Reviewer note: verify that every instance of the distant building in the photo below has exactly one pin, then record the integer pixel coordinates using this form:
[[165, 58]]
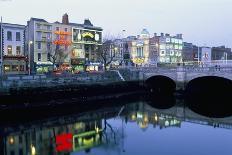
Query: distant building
[[221, 53], [140, 49], [13, 41], [190, 53], [206, 53], [170, 48]]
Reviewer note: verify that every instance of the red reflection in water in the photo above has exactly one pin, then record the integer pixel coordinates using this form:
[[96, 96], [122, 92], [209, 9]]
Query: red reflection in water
[[64, 142]]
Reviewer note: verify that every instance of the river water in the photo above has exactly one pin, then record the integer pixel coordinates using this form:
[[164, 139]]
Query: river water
[[136, 128]]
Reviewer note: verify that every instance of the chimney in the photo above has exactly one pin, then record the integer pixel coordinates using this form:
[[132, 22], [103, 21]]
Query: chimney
[[155, 34], [65, 19], [162, 34]]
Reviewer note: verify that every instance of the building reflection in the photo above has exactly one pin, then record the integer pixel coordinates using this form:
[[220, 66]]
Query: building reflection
[[33, 141], [90, 130], [160, 120]]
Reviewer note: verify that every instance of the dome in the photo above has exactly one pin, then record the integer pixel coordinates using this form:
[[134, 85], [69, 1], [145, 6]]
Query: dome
[[145, 33]]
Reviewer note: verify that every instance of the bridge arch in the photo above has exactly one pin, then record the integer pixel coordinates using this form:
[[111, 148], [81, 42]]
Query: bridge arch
[[209, 95], [160, 84]]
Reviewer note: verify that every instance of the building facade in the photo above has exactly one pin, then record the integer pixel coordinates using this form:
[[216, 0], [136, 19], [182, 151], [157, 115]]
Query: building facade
[[140, 49], [190, 53], [39, 45], [13, 55], [170, 48], [63, 46], [87, 41]]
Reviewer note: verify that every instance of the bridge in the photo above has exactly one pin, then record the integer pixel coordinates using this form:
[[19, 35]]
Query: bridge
[[183, 75]]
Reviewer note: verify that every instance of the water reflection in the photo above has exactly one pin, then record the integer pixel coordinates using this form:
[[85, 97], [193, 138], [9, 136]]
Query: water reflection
[[105, 131]]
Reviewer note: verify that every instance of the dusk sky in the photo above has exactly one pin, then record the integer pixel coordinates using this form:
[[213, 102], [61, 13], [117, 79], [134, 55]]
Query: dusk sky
[[202, 22]]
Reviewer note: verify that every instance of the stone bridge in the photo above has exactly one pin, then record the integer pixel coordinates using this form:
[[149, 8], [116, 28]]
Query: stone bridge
[[183, 75]]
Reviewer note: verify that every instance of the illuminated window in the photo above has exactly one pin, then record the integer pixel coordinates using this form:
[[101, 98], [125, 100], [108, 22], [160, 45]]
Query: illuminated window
[[9, 50], [9, 35], [6, 68], [168, 40], [18, 50]]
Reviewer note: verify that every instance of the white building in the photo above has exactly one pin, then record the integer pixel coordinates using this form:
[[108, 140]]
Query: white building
[[13, 41]]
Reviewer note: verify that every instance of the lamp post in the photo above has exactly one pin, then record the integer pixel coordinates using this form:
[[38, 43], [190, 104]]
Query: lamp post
[[29, 57]]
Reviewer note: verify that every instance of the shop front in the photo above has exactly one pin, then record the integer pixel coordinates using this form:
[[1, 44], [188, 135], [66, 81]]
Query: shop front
[[94, 67], [14, 65], [78, 64], [43, 67]]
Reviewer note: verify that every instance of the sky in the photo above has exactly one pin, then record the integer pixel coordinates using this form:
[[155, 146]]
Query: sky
[[202, 22]]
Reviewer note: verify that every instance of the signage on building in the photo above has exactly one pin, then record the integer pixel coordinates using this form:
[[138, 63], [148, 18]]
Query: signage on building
[[86, 36], [63, 39], [64, 142]]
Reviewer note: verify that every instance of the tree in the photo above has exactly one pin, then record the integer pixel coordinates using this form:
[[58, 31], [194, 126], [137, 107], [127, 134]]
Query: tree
[[107, 52], [58, 57]]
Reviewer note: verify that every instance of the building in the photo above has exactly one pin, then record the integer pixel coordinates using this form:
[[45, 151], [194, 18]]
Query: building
[[140, 49], [170, 48], [39, 45], [221, 53], [14, 60], [63, 46], [190, 53], [206, 57], [62, 49], [87, 42]]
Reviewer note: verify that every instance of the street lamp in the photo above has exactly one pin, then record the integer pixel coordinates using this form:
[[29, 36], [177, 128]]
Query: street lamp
[[29, 57]]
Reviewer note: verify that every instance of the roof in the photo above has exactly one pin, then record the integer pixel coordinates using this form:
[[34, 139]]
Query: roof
[[38, 20], [13, 25]]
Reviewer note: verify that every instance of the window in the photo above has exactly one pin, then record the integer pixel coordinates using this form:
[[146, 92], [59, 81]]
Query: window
[[6, 68], [18, 50], [9, 50], [48, 46], [21, 69], [49, 27], [57, 28], [39, 35], [49, 57], [20, 151], [15, 67], [39, 56], [20, 137], [49, 35], [39, 45], [38, 26], [9, 35], [18, 36], [66, 29]]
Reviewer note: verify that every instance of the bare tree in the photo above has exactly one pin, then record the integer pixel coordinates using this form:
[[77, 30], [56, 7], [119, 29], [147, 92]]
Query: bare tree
[[58, 56], [107, 52]]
